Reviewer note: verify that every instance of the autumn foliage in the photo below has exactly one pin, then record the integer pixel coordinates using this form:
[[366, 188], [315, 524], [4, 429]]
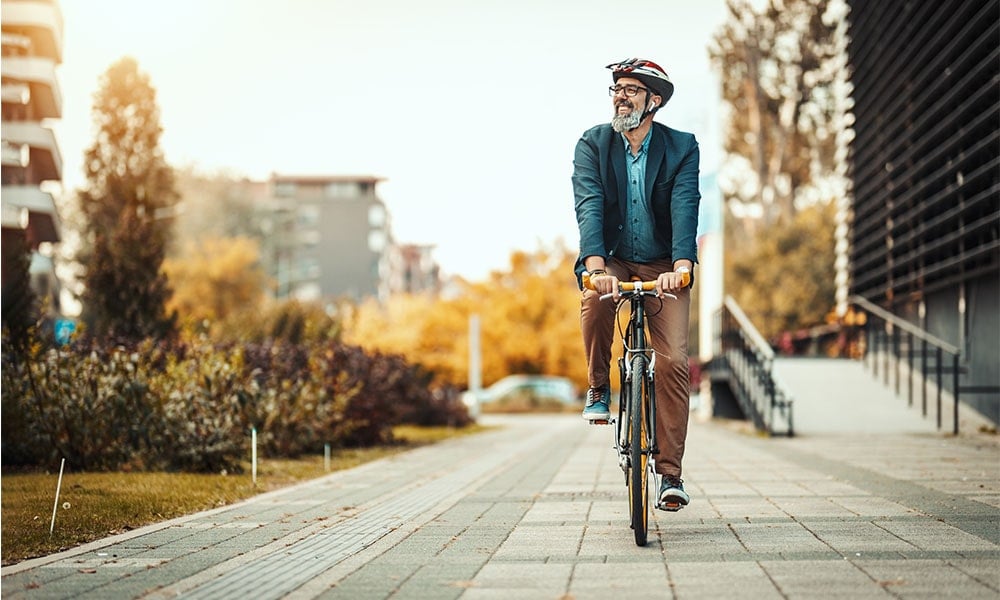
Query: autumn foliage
[[214, 278], [529, 322]]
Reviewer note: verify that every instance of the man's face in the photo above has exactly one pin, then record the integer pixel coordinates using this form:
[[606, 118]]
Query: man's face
[[625, 105], [628, 110]]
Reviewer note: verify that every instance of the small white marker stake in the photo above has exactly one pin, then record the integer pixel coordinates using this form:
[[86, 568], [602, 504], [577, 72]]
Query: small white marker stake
[[55, 505], [253, 453], [326, 457]]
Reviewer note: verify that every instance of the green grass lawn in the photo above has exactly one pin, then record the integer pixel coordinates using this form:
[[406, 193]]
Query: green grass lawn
[[96, 505]]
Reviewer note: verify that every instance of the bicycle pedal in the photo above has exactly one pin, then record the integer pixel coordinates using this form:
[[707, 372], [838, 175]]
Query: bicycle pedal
[[669, 506], [600, 421]]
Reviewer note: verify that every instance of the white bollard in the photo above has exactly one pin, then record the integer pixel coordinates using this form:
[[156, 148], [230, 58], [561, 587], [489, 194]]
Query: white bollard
[[55, 505], [326, 457]]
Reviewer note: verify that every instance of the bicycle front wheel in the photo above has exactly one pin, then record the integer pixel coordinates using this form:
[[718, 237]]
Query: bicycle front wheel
[[638, 479]]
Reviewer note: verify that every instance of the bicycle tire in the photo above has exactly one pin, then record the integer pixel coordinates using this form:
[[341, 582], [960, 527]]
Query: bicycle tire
[[638, 478]]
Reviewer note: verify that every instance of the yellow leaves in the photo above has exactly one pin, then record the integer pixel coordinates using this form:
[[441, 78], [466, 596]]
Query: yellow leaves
[[784, 279], [529, 323], [215, 278]]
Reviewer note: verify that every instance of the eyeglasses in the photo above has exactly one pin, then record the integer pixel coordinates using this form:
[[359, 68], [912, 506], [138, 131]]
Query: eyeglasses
[[629, 90]]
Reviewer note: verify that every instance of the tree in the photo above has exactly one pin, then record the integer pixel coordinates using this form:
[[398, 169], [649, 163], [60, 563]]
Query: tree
[[213, 205], [781, 67], [215, 279], [529, 323], [786, 279], [127, 206], [20, 304], [783, 73]]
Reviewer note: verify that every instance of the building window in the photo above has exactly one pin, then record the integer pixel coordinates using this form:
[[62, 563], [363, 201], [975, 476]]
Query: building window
[[376, 240], [376, 216], [342, 189], [284, 190], [309, 239], [308, 215]]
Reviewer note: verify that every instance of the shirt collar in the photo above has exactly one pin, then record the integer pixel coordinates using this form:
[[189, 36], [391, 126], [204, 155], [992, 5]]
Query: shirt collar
[[642, 147]]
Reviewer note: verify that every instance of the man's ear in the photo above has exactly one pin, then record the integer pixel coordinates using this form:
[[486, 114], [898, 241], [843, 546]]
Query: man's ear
[[655, 101]]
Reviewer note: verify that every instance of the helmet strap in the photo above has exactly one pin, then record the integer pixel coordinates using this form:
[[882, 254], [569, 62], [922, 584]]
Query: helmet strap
[[645, 113]]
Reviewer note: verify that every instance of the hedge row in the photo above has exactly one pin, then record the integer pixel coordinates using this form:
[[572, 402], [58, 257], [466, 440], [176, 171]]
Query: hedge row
[[192, 406]]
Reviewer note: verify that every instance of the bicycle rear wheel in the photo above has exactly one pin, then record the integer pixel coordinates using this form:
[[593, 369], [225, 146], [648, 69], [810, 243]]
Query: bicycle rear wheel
[[638, 477]]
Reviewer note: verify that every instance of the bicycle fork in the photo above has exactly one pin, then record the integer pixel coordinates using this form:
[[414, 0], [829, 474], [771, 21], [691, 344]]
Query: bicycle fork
[[626, 376]]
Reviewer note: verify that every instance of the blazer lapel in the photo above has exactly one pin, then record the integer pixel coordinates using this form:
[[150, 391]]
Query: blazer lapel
[[621, 178], [655, 160]]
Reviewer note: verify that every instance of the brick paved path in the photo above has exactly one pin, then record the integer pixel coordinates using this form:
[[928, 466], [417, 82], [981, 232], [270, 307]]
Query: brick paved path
[[537, 509]]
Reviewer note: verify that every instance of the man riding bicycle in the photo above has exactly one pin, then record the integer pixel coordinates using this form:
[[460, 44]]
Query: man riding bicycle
[[635, 184]]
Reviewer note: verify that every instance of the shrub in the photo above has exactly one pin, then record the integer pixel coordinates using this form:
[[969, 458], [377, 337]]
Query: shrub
[[191, 406], [436, 406], [203, 394], [91, 406], [287, 321], [296, 406]]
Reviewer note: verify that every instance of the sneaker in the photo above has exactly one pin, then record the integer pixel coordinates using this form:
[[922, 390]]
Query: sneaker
[[598, 403], [672, 494]]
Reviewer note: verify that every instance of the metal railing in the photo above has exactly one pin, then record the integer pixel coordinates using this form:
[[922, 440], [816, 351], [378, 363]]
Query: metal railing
[[749, 360], [897, 342]]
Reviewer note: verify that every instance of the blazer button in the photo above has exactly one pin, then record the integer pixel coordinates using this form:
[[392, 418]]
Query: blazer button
[[619, 228]]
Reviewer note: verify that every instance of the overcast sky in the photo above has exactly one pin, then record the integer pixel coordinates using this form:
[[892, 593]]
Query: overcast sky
[[469, 109]]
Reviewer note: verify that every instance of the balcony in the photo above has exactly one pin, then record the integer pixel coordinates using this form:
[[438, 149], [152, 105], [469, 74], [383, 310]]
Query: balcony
[[28, 208], [39, 74], [40, 21], [44, 159]]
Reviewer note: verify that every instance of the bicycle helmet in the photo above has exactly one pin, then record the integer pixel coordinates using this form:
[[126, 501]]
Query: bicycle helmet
[[647, 72]]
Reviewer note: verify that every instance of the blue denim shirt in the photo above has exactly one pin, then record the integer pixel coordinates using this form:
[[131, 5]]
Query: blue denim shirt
[[638, 244]]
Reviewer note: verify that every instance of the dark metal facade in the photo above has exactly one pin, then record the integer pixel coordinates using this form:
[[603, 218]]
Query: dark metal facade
[[925, 232]]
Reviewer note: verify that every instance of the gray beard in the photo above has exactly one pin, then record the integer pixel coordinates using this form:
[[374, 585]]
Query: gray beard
[[623, 123]]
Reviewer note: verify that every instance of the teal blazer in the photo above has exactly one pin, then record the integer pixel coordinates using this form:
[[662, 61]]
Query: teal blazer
[[600, 188]]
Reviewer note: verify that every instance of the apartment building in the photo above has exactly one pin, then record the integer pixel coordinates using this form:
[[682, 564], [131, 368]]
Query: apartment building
[[329, 237], [413, 270], [32, 41]]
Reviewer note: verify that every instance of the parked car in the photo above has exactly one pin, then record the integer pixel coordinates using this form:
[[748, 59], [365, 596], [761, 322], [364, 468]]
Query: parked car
[[524, 393]]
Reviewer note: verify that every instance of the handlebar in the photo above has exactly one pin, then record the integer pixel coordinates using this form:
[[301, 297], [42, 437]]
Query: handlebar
[[632, 286]]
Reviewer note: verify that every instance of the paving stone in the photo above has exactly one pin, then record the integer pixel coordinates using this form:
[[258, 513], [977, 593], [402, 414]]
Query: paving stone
[[714, 579]]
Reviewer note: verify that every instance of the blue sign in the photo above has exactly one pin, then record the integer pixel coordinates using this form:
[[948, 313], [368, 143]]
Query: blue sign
[[64, 330]]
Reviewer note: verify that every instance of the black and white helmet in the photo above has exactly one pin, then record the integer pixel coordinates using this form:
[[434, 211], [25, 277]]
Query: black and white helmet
[[647, 72]]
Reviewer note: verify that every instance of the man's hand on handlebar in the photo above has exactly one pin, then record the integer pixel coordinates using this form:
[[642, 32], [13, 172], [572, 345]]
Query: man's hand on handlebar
[[671, 282], [606, 283]]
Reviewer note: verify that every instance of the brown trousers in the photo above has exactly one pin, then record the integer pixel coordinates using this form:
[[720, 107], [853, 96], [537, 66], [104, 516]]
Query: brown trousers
[[668, 334]]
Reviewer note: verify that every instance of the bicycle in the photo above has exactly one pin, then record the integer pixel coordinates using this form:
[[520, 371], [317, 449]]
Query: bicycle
[[635, 428]]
